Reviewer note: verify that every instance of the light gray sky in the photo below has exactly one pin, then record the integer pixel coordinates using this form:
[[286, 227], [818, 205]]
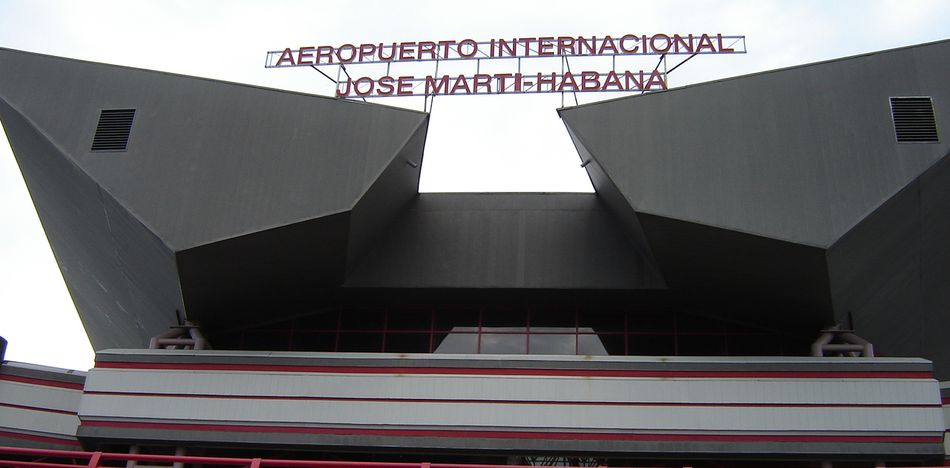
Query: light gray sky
[[483, 143]]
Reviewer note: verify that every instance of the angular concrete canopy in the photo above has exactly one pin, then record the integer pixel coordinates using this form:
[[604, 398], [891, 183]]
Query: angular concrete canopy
[[780, 198], [798, 155], [506, 240], [223, 187], [788, 189]]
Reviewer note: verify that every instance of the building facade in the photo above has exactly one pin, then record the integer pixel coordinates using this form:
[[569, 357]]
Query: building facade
[[706, 306]]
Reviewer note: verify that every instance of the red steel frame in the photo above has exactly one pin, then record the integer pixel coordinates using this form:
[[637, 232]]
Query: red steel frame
[[576, 328], [94, 460]]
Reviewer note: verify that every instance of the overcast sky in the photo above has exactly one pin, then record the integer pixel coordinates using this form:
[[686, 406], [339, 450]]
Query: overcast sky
[[486, 143]]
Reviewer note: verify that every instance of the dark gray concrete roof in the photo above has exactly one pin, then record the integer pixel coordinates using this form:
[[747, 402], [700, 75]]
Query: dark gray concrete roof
[[800, 154], [222, 186], [782, 194], [506, 240], [209, 160], [789, 187]]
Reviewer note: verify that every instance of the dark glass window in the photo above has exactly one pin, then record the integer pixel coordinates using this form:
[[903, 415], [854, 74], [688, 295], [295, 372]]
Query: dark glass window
[[407, 343], [502, 343], [590, 345], [700, 345], [266, 340], [651, 345], [328, 320], [461, 341], [602, 321], [556, 330], [451, 318], [553, 318], [361, 342], [314, 341], [362, 320], [503, 318], [419, 320], [553, 344], [652, 322]]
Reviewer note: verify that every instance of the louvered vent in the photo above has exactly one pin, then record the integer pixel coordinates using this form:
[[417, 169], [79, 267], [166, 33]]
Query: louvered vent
[[112, 133], [914, 120]]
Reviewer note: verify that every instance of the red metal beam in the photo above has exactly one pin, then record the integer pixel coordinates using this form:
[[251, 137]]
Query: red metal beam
[[92, 460]]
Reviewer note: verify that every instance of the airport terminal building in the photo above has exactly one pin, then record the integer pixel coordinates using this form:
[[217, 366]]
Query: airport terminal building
[[762, 277]]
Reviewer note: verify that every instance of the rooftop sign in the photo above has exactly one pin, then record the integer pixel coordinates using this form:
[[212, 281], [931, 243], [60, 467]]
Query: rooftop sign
[[514, 81]]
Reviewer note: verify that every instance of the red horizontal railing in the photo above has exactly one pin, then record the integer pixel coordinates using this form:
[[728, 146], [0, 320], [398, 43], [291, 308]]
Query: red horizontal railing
[[96, 459]]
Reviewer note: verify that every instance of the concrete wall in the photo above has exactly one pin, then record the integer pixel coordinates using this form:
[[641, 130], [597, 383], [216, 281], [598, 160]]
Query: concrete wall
[[718, 407], [38, 406]]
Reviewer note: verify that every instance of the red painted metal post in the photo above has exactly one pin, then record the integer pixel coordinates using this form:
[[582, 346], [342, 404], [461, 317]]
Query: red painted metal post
[[94, 460]]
